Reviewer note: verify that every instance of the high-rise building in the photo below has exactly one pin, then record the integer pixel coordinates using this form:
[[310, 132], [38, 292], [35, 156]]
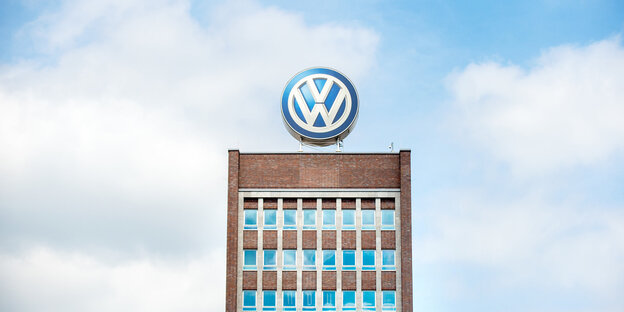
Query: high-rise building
[[319, 232]]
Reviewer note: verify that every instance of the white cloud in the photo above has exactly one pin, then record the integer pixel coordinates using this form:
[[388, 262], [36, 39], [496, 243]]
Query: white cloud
[[46, 280], [524, 247], [543, 242], [127, 123], [566, 110], [115, 141]]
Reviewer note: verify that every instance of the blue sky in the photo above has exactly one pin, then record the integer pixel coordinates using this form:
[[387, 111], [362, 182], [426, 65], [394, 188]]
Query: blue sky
[[115, 118]]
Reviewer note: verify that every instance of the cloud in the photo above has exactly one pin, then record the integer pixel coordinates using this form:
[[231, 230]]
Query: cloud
[[551, 240], [566, 110], [114, 143], [526, 247], [124, 128], [42, 279]]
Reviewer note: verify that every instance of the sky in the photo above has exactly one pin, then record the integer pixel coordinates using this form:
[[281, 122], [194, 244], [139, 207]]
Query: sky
[[116, 117]]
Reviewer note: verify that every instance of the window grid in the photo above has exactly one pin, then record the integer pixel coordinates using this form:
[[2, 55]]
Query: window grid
[[318, 220]]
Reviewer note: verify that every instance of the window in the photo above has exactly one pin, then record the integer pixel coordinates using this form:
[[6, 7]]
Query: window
[[249, 263], [387, 261], [270, 259], [348, 259], [368, 219], [309, 300], [368, 259], [268, 300], [290, 260], [309, 259], [329, 260], [389, 301], [368, 301], [309, 219], [348, 219], [329, 301], [249, 300], [348, 300], [251, 219], [387, 219], [290, 219], [329, 219], [270, 219], [290, 300]]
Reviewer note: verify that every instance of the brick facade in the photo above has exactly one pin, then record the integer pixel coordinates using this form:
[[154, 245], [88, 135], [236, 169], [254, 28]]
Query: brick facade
[[300, 170], [264, 173]]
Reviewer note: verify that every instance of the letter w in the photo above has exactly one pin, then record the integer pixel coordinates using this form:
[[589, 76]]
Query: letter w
[[319, 105]]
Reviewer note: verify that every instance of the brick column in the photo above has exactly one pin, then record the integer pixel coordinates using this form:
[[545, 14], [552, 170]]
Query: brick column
[[232, 231], [406, 232]]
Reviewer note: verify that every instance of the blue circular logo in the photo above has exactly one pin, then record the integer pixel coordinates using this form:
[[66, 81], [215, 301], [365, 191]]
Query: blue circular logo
[[319, 106]]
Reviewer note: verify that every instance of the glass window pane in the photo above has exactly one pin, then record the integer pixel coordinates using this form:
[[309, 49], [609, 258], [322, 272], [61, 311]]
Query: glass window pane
[[348, 219], [348, 300], [329, 259], [270, 259], [329, 301], [290, 302], [368, 219], [368, 259], [270, 219], [309, 300], [368, 300], [329, 219], [388, 259], [348, 259], [251, 219], [290, 259], [290, 219], [249, 300], [268, 300], [389, 301], [309, 219], [249, 263], [387, 219], [309, 259]]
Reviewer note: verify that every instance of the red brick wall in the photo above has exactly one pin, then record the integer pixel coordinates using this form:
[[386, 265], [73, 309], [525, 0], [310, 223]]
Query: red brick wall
[[270, 203], [289, 203], [348, 203], [368, 203], [309, 239], [369, 240], [319, 171], [387, 203], [250, 280], [289, 238], [388, 240], [269, 280], [289, 280], [348, 239], [308, 280], [406, 231], [269, 240], [250, 203], [329, 239], [369, 281], [388, 280], [348, 280], [329, 280], [329, 203], [308, 203], [232, 231], [250, 239]]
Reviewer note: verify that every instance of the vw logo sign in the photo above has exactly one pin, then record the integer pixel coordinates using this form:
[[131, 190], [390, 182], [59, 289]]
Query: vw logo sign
[[319, 106]]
